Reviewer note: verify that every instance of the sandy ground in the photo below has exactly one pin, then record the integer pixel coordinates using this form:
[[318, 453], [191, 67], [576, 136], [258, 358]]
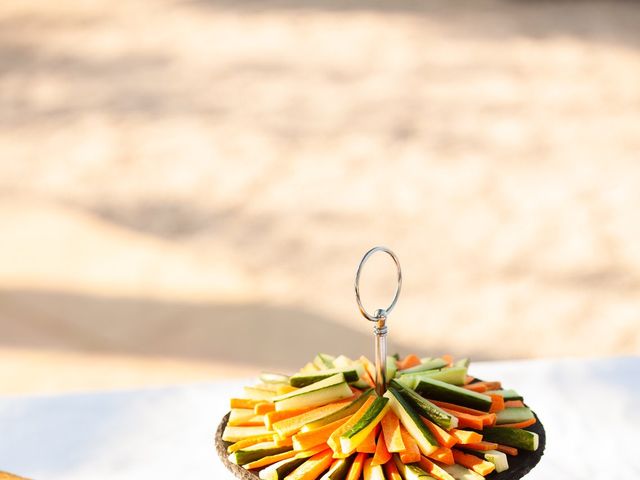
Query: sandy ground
[[186, 187]]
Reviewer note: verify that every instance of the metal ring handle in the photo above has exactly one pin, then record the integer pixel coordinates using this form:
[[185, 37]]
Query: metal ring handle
[[380, 313]]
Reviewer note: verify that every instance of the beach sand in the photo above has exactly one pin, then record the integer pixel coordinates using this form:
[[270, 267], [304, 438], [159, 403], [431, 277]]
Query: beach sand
[[186, 188]]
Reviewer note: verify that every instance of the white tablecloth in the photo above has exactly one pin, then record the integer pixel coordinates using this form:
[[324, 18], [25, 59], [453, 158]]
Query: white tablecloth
[[590, 409]]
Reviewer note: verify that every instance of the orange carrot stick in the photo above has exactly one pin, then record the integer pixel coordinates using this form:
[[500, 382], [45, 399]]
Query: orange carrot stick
[[483, 386], [497, 403], [313, 467], [513, 403], [282, 442], [381, 455], [508, 450], [443, 455], [411, 453], [273, 417], [465, 436], [391, 430], [481, 446], [447, 358], [253, 421], [444, 438], [494, 385], [476, 464], [290, 426], [478, 387], [489, 419], [369, 443], [312, 438], [469, 417], [409, 361], [264, 407], [433, 469], [466, 420], [243, 403]]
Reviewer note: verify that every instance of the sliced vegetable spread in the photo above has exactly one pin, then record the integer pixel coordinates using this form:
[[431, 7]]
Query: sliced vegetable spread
[[326, 422]]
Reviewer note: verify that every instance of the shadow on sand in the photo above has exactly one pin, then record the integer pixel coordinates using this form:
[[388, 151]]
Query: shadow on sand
[[606, 21], [250, 334]]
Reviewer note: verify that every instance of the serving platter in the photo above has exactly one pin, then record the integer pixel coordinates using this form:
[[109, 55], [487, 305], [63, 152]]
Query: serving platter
[[519, 465]]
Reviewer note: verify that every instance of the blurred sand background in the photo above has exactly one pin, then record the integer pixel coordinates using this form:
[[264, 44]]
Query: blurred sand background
[[186, 188]]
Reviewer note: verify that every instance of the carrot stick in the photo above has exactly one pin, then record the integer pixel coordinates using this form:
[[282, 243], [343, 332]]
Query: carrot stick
[[290, 426], [243, 403], [525, 424], [444, 438], [508, 450], [282, 442], [411, 453], [489, 419], [465, 437], [368, 445], [319, 436], [476, 464], [273, 417], [356, 467], [247, 442], [476, 387], [409, 361], [264, 407], [381, 455], [391, 430], [391, 471], [312, 468], [497, 403], [468, 416], [447, 358], [264, 461], [468, 379], [443, 455], [433, 469], [481, 446], [483, 386], [494, 385], [466, 419], [513, 403]]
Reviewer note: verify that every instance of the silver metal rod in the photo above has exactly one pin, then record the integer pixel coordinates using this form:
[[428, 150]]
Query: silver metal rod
[[380, 331]]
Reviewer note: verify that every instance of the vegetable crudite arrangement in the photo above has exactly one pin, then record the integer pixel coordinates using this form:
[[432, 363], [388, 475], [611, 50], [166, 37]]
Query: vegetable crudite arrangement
[[407, 418]]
